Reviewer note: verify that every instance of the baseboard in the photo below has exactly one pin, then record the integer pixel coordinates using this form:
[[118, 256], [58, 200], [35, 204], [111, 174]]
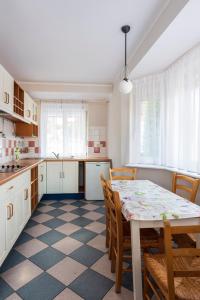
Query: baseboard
[[77, 196]]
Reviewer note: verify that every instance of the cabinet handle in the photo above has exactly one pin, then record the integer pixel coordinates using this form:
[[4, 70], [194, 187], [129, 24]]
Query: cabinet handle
[[11, 187], [9, 216], [42, 177], [12, 210], [8, 98], [5, 97], [26, 194], [28, 113]]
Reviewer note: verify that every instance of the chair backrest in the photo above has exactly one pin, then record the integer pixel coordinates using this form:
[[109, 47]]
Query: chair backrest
[[115, 214], [187, 184], [170, 253], [105, 186], [128, 173]]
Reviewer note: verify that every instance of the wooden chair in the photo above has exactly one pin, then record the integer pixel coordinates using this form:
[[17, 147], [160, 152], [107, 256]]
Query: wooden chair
[[104, 185], [190, 186], [176, 274], [121, 238], [187, 184], [129, 173]]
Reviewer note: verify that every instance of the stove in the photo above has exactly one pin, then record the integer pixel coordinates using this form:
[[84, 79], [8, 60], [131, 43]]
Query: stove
[[10, 168]]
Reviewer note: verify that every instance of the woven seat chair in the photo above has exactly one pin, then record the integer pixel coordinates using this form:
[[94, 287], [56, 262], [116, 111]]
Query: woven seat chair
[[189, 186], [121, 238], [174, 275], [125, 173]]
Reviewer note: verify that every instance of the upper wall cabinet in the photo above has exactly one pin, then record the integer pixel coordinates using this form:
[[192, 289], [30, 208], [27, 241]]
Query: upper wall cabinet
[[6, 91], [28, 113], [30, 109]]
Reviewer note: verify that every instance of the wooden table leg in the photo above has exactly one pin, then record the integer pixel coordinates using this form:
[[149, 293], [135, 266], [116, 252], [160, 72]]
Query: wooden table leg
[[136, 260]]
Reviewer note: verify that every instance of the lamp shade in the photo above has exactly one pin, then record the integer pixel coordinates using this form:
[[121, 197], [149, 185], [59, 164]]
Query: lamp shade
[[125, 86]]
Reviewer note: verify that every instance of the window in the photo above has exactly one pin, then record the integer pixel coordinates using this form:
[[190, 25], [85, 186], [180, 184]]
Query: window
[[165, 118], [63, 129]]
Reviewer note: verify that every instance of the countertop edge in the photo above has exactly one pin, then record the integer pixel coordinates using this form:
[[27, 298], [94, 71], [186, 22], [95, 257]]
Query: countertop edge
[[35, 162]]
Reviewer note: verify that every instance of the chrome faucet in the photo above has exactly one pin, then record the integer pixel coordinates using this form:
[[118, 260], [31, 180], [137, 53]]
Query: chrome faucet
[[56, 155]]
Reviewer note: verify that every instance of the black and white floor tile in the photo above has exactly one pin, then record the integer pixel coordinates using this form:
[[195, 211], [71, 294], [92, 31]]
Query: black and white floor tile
[[61, 255]]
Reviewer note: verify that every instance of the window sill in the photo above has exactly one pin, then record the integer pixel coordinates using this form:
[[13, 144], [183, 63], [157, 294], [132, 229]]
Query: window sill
[[155, 167]]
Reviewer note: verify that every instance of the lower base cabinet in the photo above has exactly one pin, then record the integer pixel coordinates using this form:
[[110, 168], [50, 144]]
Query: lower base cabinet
[[2, 229], [62, 177], [15, 210]]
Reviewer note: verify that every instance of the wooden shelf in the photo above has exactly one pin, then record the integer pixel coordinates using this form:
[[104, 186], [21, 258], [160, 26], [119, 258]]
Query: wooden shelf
[[18, 100], [34, 188], [23, 129]]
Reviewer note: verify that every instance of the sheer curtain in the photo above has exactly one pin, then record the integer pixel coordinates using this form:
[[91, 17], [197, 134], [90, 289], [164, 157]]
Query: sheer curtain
[[146, 122], [166, 116], [63, 129]]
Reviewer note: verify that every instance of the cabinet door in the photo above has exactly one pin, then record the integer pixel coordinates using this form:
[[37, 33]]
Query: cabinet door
[[8, 86], [7, 90], [54, 177], [18, 209], [27, 107], [2, 226], [70, 177], [11, 221]]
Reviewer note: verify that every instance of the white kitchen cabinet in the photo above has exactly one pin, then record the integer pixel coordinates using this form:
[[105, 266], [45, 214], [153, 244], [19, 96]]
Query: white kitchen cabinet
[[54, 177], [15, 210], [62, 177], [34, 112], [11, 216], [2, 226], [28, 114], [6, 91], [70, 177], [30, 109], [41, 180]]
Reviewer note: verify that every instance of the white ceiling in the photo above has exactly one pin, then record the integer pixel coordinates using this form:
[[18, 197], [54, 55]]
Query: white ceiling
[[181, 35], [70, 40]]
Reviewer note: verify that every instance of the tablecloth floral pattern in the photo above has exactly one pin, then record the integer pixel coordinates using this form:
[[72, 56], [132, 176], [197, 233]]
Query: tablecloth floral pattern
[[144, 200]]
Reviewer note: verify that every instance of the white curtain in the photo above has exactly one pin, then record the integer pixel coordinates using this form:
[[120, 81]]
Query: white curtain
[[146, 127], [166, 116], [63, 129]]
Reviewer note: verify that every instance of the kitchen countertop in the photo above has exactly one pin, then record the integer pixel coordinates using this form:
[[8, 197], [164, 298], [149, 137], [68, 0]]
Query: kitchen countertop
[[29, 163]]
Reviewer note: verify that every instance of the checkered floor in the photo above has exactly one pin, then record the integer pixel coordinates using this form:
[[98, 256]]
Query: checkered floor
[[61, 255]]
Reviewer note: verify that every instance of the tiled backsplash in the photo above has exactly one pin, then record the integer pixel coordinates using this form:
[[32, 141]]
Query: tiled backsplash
[[29, 147], [8, 142], [97, 145]]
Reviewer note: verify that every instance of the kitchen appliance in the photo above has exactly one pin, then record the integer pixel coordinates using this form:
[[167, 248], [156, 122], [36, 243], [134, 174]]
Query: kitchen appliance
[[93, 189], [8, 168]]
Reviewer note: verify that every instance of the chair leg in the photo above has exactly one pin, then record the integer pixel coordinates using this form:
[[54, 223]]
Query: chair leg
[[107, 237], [110, 248], [119, 264], [145, 291], [112, 256]]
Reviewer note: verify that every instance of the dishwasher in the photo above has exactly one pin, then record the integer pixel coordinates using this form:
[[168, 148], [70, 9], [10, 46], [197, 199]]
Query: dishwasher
[[93, 189]]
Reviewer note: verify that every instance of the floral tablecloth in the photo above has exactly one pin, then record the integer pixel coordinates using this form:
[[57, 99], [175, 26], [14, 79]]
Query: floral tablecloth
[[144, 200]]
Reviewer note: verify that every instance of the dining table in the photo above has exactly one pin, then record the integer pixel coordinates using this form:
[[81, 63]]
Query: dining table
[[146, 204]]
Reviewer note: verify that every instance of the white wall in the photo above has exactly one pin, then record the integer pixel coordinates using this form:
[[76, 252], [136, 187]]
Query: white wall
[[114, 127], [97, 113]]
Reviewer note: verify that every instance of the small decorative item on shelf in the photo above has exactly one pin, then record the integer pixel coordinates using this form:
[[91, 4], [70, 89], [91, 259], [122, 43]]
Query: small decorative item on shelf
[[17, 153]]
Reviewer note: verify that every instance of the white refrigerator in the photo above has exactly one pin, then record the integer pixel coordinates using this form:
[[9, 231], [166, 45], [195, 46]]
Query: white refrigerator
[[93, 189]]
